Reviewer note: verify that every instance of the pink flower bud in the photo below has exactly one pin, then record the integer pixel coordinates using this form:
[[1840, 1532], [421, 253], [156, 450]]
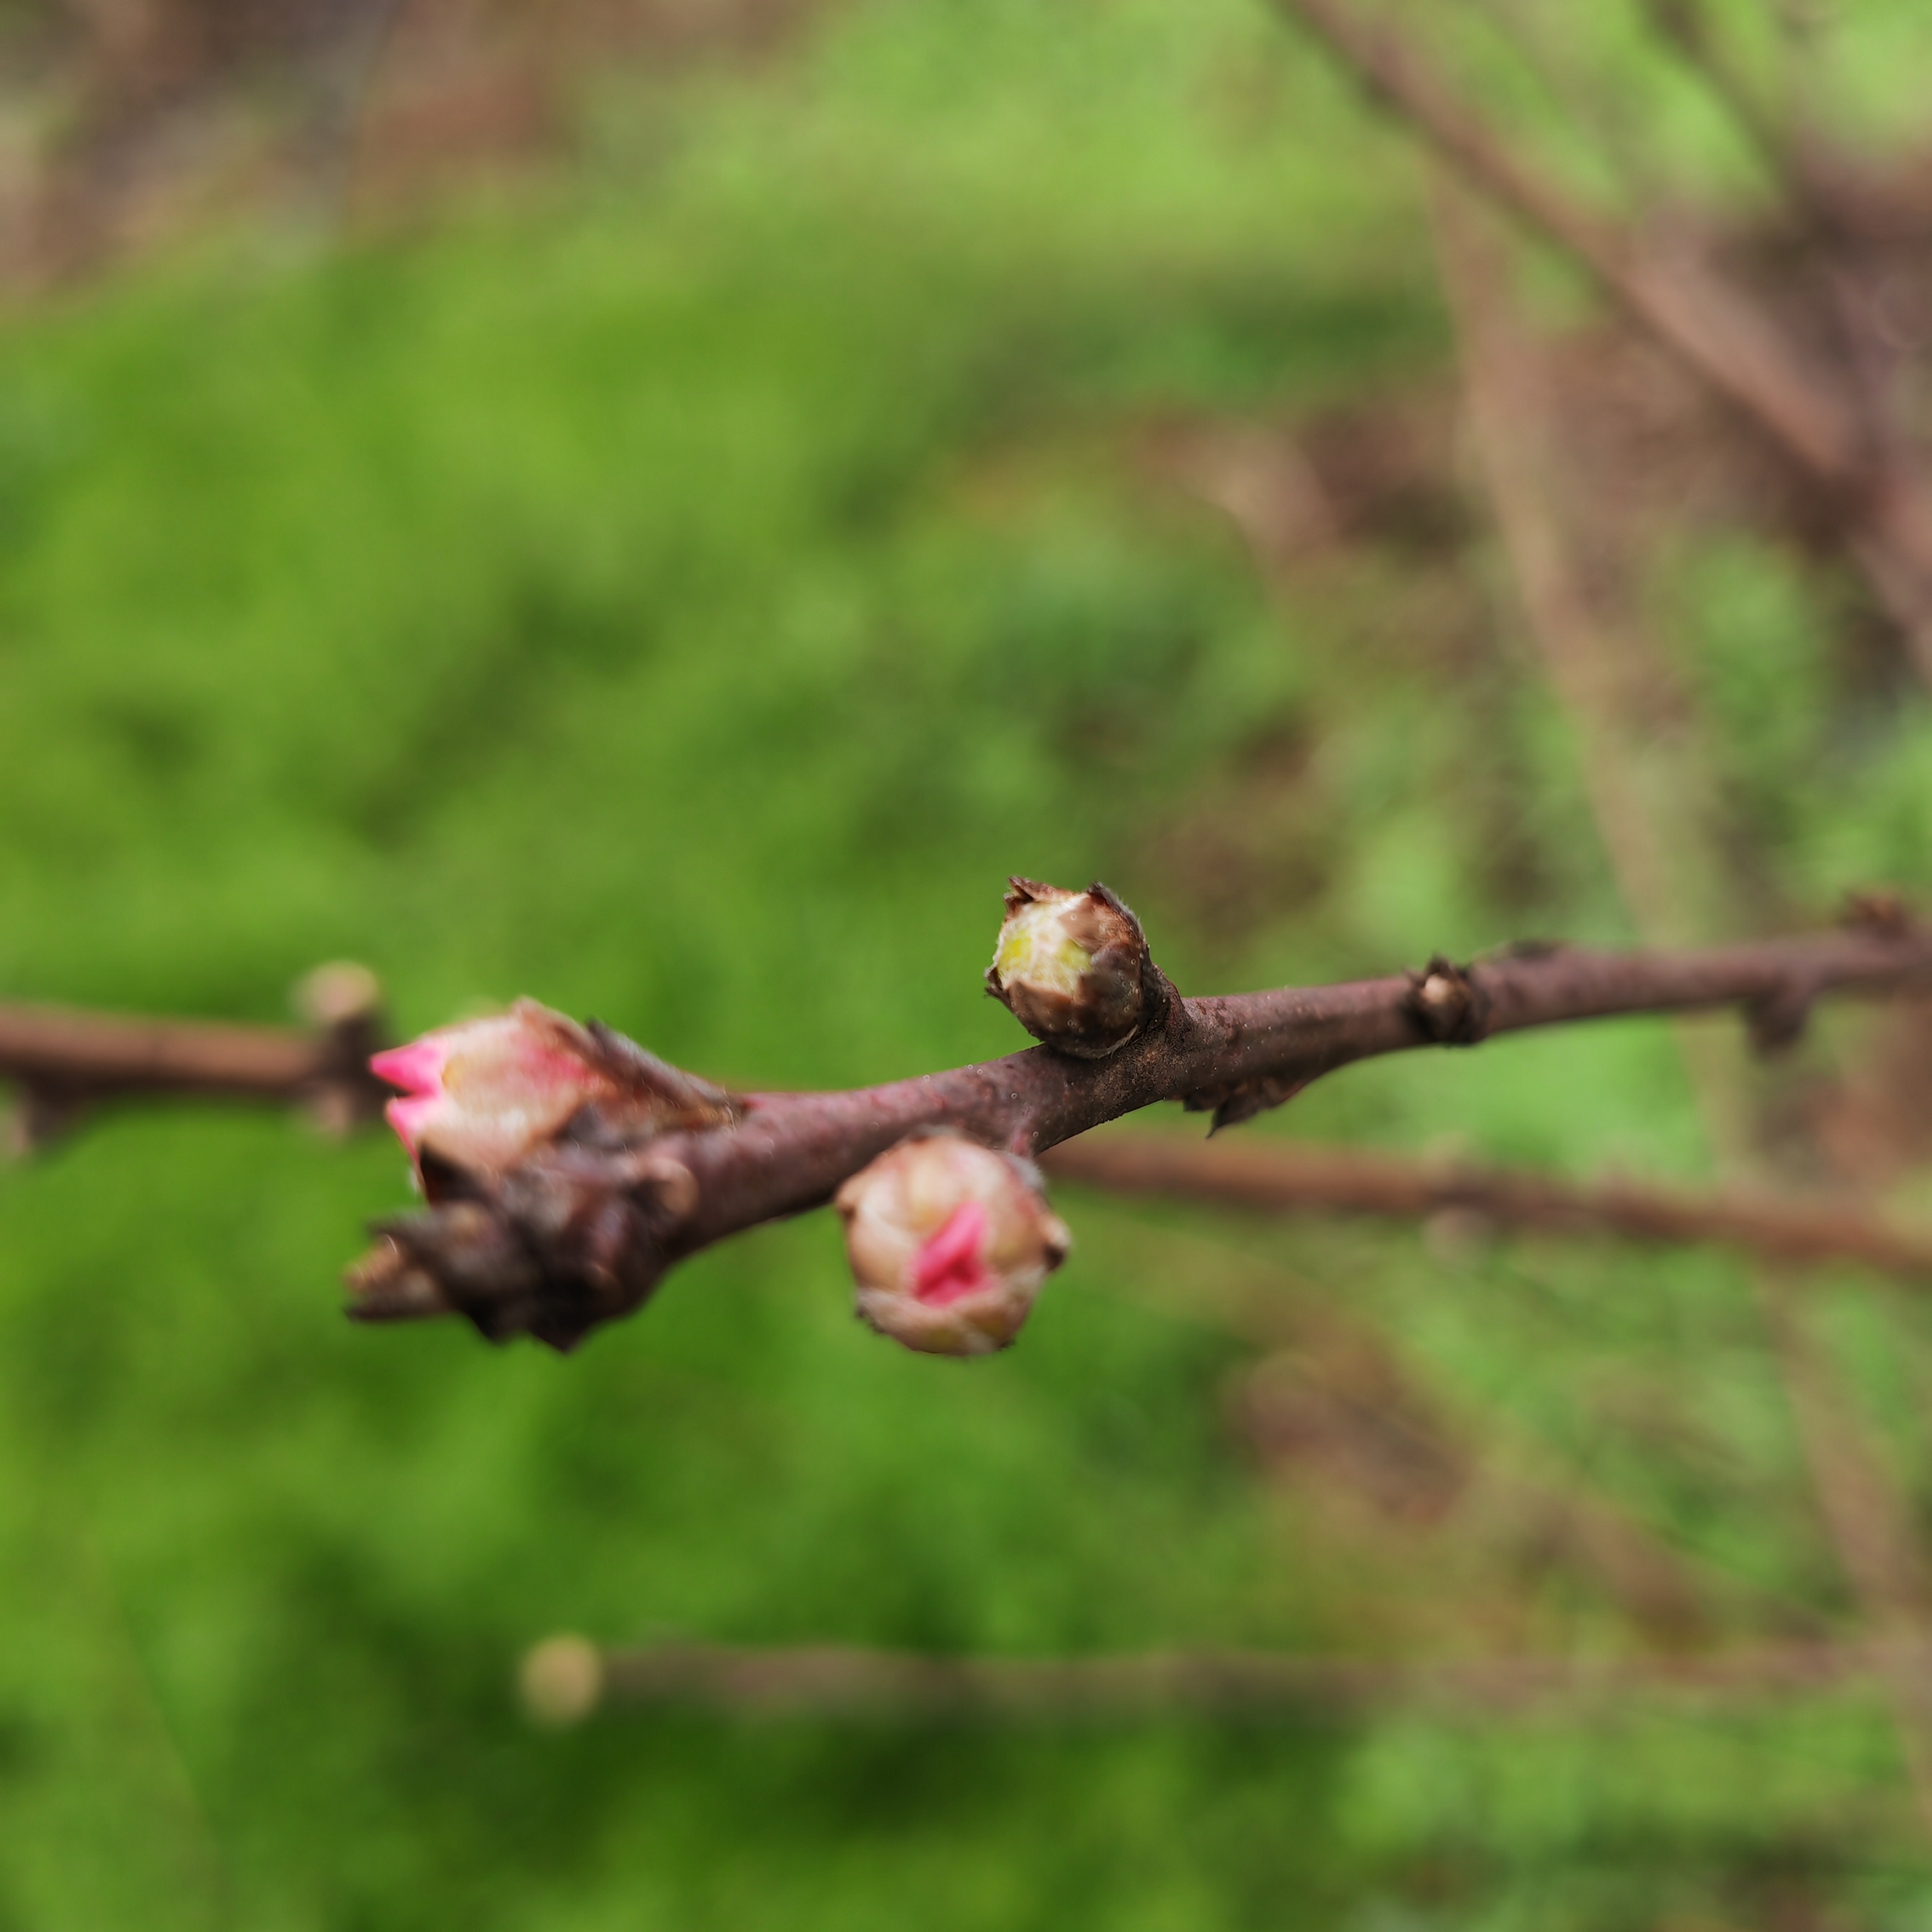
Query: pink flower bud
[[480, 1095], [949, 1242], [1073, 968], [553, 1207]]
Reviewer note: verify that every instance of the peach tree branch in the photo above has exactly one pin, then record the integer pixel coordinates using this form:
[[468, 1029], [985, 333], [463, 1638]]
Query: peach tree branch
[[565, 1170]]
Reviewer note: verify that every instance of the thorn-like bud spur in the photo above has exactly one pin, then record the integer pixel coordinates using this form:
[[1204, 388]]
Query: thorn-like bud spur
[[551, 1209], [949, 1242], [1073, 968]]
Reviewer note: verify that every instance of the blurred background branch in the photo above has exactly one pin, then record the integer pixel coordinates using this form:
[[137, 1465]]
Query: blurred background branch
[[1807, 410], [63, 1062], [564, 1679], [1287, 1176]]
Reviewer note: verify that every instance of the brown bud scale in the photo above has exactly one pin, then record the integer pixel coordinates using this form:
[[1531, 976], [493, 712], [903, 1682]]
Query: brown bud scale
[[1074, 968]]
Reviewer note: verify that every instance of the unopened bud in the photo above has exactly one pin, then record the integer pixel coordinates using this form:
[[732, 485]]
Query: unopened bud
[[536, 1144], [949, 1242], [480, 1095], [1073, 968]]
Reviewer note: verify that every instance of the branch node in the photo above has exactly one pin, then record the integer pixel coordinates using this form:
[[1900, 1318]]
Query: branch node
[[1451, 1008]]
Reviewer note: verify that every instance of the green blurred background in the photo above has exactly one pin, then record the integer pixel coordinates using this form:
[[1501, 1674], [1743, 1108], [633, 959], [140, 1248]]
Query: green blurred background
[[678, 578]]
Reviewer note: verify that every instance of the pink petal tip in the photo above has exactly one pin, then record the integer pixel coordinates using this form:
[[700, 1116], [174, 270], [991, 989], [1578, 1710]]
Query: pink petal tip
[[953, 1263], [410, 1117], [416, 1068]]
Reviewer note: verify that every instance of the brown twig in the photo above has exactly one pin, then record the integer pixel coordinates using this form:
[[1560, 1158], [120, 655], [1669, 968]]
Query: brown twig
[[1785, 401], [564, 1679], [1884, 499], [1868, 1521], [1282, 1176], [583, 1229], [65, 1061]]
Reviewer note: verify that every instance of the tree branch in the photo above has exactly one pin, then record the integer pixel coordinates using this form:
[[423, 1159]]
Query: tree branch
[[1298, 1177], [1785, 401], [65, 1061], [1884, 498], [582, 1227]]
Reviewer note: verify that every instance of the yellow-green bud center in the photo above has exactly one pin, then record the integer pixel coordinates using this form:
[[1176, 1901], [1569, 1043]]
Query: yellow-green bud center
[[1035, 947]]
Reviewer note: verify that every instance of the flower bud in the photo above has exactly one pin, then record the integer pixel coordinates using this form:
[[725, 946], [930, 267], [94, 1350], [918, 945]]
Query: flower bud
[[480, 1095], [949, 1242], [1073, 968], [549, 1154]]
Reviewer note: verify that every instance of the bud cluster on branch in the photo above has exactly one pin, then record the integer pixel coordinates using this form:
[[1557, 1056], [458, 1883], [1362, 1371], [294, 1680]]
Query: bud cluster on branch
[[564, 1170]]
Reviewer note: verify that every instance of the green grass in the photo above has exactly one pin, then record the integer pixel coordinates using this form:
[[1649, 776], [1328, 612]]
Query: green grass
[[682, 589]]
